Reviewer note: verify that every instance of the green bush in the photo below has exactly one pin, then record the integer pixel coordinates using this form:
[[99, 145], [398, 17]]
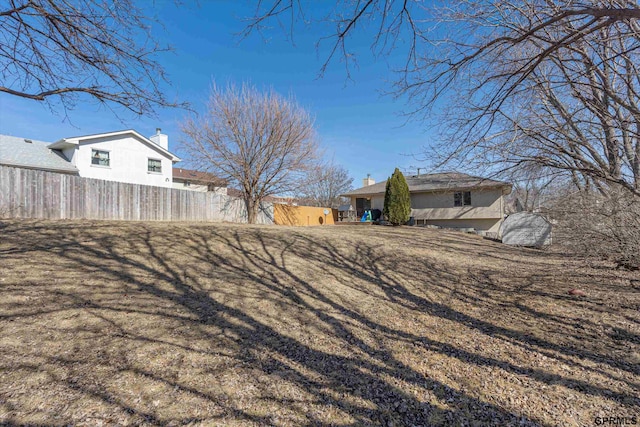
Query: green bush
[[397, 201]]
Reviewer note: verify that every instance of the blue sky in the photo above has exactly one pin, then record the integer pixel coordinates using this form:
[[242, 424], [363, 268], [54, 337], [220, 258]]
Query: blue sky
[[358, 126]]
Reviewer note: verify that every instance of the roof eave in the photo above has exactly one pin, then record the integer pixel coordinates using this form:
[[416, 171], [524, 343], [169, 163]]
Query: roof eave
[[461, 188], [173, 157], [360, 194], [201, 182], [439, 190], [62, 144]]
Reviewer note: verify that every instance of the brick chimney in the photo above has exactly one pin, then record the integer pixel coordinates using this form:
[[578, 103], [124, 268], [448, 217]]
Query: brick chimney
[[368, 181], [160, 139]]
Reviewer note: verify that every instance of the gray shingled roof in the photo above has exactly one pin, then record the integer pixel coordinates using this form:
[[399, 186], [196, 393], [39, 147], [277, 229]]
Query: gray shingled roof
[[15, 151], [198, 177], [433, 182]]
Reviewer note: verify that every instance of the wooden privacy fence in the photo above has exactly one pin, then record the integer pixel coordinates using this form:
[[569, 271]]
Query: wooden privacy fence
[[26, 193]]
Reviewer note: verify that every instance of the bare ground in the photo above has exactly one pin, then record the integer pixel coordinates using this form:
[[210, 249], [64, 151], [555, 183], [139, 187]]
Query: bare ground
[[120, 323]]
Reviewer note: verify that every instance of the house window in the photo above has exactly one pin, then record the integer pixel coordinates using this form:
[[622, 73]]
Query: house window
[[99, 158], [187, 183], [462, 198], [154, 165]]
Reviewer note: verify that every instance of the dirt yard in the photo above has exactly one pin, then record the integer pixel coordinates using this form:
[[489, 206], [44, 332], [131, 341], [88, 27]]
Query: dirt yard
[[115, 323]]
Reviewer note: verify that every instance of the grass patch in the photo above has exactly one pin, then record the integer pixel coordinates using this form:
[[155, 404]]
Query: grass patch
[[173, 324]]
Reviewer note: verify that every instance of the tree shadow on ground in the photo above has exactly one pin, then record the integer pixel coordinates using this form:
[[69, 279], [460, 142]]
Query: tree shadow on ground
[[248, 310], [380, 272]]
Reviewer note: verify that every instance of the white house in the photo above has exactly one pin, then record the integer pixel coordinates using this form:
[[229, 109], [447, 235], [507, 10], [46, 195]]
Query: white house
[[123, 156]]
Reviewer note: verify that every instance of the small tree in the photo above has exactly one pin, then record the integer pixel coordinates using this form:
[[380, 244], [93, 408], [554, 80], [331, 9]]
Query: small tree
[[385, 209], [397, 201], [261, 142]]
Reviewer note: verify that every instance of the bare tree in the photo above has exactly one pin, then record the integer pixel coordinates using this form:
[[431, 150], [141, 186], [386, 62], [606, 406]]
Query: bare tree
[[262, 142], [549, 83], [525, 85], [58, 51], [532, 187], [577, 112], [324, 185]]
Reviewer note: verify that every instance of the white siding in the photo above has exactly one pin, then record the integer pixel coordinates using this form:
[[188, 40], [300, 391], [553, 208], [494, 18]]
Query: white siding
[[128, 158]]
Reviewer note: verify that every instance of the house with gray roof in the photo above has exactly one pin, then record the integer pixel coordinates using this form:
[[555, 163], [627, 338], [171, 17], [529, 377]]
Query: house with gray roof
[[122, 156], [449, 199], [31, 154]]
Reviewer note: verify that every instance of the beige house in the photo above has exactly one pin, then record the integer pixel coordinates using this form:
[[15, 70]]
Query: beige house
[[452, 200], [187, 179]]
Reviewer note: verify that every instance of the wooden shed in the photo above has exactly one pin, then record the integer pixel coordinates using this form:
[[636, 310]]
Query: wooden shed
[[526, 229]]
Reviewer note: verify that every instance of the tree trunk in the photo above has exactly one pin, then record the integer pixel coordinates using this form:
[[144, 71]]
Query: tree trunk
[[252, 210]]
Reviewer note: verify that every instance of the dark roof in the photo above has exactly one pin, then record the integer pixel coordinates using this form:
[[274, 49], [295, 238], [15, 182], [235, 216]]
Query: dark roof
[[29, 153], [198, 177], [234, 192], [434, 182]]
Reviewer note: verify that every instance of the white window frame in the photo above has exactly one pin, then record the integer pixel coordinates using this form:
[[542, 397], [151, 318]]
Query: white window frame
[[95, 154], [149, 159]]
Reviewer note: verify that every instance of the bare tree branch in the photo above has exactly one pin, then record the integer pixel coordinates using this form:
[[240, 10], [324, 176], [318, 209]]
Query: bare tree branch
[[59, 51], [551, 83], [324, 184]]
